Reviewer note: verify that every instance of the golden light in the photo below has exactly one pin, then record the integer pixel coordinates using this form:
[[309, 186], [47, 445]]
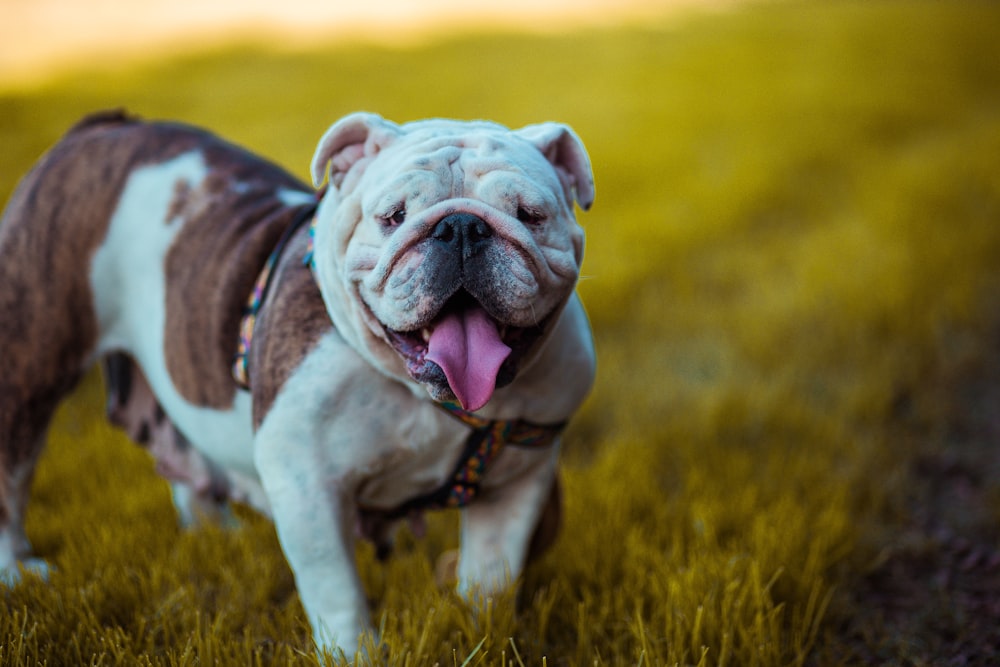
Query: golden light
[[38, 36]]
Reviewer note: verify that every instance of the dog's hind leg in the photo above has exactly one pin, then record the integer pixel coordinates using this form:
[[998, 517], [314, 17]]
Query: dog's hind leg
[[23, 424], [200, 488], [38, 368], [40, 363], [48, 325]]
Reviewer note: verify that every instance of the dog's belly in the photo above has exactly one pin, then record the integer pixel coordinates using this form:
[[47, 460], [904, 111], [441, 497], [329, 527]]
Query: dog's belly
[[127, 278]]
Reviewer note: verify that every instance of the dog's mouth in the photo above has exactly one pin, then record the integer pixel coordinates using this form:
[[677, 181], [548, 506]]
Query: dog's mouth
[[464, 352]]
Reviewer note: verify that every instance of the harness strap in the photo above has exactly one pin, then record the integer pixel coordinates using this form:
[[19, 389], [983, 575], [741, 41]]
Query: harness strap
[[241, 362], [484, 444]]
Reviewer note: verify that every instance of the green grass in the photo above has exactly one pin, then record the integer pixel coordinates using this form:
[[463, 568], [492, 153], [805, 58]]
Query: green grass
[[792, 269]]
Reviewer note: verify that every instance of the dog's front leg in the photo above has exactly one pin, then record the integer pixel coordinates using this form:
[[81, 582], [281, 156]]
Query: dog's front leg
[[498, 526], [314, 514]]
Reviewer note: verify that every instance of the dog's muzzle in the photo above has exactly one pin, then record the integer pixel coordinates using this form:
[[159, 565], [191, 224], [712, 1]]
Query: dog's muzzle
[[467, 349], [463, 234]]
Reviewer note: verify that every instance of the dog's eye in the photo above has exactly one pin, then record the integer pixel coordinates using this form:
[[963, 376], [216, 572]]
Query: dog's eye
[[395, 217], [529, 216]]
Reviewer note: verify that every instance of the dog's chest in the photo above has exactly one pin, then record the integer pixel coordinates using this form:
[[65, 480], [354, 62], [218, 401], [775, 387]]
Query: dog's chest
[[370, 434]]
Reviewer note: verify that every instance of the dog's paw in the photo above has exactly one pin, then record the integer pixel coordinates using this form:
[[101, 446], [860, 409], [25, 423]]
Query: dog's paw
[[197, 509], [15, 574]]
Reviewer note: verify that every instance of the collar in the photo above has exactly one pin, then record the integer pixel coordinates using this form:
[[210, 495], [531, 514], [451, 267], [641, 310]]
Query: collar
[[241, 362]]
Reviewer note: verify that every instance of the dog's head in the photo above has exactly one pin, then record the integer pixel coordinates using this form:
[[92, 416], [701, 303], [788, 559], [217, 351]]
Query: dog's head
[[446, 250]]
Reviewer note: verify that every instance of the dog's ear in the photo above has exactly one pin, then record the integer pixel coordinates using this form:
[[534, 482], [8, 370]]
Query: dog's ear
[[561, 147], [347, 142]]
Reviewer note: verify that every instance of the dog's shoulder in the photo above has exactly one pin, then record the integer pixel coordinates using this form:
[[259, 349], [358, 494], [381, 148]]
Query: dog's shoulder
[[295, 318]]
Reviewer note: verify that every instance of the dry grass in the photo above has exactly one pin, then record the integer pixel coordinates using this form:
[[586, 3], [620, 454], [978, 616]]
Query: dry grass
[[792, 275]]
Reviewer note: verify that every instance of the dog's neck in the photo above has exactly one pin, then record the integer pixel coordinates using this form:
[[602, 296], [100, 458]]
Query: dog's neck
[[487, 439]]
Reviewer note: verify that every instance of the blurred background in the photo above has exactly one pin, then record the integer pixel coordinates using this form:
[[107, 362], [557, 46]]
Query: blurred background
[[792, 270], [39, 35]]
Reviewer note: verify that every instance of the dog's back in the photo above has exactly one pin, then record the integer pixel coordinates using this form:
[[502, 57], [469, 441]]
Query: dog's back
[[86, 243]]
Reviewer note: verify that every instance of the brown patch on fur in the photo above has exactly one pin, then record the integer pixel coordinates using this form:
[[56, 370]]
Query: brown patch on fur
[[232, 221], [294, 317], [180, 201]]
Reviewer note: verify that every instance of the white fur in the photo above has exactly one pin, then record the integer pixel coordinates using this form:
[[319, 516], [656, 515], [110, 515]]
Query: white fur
[[380, 446], [497, 529], [310, 458], [127, 276], [295, 197]]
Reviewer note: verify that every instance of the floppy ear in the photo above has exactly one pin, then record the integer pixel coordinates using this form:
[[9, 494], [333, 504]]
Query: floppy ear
[[561, 147], [350, 139]]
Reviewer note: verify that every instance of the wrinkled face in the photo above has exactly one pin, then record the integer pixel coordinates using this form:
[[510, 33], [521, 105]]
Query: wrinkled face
[[458, 244]]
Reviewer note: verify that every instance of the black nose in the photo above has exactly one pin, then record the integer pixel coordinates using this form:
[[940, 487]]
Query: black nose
[[464, 232]]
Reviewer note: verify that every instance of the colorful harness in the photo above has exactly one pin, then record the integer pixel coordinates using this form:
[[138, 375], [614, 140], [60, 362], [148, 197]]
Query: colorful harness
[[241, 362], [482, 447]]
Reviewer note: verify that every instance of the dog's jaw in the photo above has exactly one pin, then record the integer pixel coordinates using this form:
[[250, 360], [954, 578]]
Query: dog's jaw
[[421, 353], [464, 353]]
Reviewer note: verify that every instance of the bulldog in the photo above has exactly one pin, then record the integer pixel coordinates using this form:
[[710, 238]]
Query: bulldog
[[404, 338]]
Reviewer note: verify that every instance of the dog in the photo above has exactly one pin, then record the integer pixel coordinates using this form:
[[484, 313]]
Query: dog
[[403, 336]]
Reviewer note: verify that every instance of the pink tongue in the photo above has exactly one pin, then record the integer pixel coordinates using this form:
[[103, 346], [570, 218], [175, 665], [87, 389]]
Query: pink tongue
[[468, 349]]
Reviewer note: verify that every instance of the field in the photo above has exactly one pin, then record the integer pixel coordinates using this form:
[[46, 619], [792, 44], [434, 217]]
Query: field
[[793, 274]]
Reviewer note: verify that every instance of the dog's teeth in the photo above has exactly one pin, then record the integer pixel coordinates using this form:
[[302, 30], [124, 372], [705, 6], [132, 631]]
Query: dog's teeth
[[425, 333]]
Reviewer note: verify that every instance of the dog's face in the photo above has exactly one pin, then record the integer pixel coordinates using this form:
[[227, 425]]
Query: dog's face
[[445, 250]]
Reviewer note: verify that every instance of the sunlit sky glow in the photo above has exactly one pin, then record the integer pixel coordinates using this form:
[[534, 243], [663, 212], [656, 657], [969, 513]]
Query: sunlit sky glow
[[37, 36]]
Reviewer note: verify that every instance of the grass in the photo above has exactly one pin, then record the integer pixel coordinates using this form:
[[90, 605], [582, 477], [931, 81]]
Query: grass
[[792, 275]]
